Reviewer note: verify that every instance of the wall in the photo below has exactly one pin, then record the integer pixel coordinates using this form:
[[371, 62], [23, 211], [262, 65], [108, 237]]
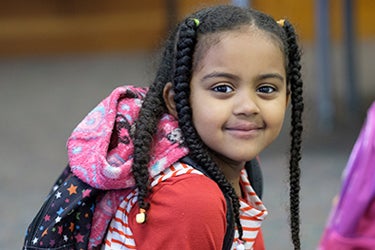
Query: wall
[[57, 26]]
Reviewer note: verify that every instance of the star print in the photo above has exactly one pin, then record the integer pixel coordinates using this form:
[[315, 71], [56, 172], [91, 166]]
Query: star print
[[78, 215], [86, 193], [72, 189], [65, 238], [47, 217], [61, 210], [71, 227], [45, 232], [58, 195], [79, 238], [58, 219], [67, 200], [52, 243], [60, 229], [35, 240], [55, 187]]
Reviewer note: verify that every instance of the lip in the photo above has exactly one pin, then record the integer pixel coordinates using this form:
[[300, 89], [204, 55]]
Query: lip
[[244, 130]]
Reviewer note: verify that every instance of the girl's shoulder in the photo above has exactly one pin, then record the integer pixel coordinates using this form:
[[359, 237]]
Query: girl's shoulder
[[181, 200], [185, 184]]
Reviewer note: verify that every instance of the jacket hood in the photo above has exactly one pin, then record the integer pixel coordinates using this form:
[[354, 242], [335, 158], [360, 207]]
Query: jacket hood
[[100, 149]]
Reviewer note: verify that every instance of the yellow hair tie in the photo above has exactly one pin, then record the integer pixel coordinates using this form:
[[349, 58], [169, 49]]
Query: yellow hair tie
[[196, 21], [140, 218], [281, 22]]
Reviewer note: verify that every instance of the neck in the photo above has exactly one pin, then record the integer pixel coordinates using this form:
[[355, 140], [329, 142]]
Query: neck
[[232, 172], [233, 177]]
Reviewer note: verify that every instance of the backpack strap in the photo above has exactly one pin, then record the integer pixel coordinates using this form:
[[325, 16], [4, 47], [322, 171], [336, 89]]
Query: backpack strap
[[254, 174]]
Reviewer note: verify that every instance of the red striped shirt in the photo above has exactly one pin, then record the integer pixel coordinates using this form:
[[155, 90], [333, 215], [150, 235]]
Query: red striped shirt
[[252, 213]]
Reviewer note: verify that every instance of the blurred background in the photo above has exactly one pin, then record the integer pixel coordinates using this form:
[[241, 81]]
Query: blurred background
[[58, 59]]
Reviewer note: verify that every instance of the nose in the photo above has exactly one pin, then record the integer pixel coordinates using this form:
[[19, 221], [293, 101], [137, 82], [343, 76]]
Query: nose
[[245, 104]]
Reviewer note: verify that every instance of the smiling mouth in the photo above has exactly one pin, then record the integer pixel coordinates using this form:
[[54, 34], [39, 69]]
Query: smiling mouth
[[245, 131]]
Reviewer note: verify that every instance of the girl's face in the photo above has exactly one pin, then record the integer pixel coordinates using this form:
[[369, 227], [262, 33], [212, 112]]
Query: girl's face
[[239, 95]]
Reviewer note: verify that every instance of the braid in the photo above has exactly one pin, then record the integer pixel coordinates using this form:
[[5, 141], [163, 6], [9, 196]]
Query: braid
[[152, 109], [198, 151], [146, 125], [294, 78]]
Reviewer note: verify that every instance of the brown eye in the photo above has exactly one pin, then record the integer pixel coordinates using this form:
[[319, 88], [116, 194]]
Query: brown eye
[[222, 89], [266, 89]]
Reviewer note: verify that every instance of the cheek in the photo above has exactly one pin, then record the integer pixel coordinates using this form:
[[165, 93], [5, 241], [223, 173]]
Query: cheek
[[280, 121], [275, 116], [201, 113], [201, 118], [206, 120]]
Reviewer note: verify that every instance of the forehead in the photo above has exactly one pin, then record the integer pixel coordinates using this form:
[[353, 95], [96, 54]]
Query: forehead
[[244, 54], [213, 40]]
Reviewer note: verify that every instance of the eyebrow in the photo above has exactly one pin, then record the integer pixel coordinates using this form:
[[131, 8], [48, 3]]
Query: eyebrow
[[220, 74], [234, 77], [270, 75]]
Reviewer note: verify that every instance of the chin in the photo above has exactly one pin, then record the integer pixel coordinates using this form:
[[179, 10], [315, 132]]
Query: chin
[[248, 157]]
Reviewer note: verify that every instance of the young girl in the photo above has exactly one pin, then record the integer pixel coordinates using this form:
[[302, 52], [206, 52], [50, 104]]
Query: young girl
[[219, 97]]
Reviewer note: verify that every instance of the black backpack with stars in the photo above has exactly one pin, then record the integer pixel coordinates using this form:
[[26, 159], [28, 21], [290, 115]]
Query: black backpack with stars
[[64, 220]]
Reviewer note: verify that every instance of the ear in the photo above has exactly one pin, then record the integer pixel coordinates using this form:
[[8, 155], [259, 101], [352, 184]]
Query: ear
[[288, 94], [168, 95], [287, 100]]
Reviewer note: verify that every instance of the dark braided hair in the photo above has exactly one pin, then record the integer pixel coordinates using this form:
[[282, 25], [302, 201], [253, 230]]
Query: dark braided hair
[[295, 81], [184, 48]]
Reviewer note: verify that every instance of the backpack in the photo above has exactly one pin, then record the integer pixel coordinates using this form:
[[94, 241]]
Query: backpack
[[64, 220], [352, 220]]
